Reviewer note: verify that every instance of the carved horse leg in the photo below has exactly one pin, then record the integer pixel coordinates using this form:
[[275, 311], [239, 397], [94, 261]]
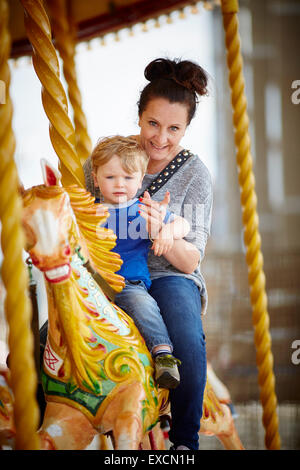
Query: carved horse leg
[[65, 428], [221, 425], [154, 439], [220, 389], [123, 416]]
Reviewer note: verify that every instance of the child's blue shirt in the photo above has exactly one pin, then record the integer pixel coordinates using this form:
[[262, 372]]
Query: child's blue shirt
[[133, 241]]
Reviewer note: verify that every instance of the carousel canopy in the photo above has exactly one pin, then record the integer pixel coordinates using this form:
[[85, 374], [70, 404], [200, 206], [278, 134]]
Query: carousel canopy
[[94, 18]]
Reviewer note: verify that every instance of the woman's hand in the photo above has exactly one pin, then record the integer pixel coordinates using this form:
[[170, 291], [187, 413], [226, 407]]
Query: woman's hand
[[183, 255], [154, 213]]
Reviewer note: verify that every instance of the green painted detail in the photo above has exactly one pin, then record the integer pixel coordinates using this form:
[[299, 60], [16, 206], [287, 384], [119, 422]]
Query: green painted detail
[[96, 385], [144, 413], [88, 386], [151, 426], [151, 382], [102, 374], [144, 359], [145, 410], [107, 386], [70, 387], [124, 369], [77, 250], [54, 387]]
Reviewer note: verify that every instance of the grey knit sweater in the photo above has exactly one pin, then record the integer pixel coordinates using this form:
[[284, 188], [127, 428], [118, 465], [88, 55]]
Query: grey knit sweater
[[191, 197]]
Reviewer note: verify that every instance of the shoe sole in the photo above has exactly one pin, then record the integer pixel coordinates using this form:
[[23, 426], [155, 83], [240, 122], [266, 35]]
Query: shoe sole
[[166, 380]]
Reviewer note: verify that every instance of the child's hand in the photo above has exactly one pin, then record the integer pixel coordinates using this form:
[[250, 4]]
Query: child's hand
[[154, 213], [164, 241]]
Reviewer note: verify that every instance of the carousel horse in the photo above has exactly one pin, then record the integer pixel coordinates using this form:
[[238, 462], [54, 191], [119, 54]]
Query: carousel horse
[[7, 426], [97, 373], [220, 390]]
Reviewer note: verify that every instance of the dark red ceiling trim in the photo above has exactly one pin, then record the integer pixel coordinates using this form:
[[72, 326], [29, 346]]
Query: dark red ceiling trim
[[103, 24], [127, 16]]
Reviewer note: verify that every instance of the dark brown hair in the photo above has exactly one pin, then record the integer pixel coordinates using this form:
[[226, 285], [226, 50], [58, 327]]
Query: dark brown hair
[[175, 80]]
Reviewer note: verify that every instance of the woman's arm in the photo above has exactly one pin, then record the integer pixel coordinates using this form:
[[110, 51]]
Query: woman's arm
[[187, 254], [171, 231], [184, 256]]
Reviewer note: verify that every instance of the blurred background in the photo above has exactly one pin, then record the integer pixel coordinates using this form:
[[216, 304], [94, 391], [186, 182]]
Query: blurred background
[[110, 67]]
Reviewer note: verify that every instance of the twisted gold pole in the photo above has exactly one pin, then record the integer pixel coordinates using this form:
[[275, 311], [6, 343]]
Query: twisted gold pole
[[14, 273], [54, 99], [65, 44], [254, 258]]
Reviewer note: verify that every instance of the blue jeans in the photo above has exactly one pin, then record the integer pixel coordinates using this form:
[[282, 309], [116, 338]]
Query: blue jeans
[[180, 306], [143, 309]]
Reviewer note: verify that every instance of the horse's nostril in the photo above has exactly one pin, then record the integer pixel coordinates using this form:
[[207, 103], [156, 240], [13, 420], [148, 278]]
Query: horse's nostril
[[34, 259], [67, 250]]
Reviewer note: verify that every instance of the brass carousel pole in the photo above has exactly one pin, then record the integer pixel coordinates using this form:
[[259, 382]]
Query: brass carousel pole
[[14, 272], [252, 239], [65, 44], [54, 99]]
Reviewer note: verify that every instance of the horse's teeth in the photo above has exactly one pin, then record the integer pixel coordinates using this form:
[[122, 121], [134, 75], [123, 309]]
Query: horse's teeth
[[57, 272]]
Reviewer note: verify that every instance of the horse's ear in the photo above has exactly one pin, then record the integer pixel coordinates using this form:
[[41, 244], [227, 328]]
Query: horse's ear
[[51, 176], [21, 189]]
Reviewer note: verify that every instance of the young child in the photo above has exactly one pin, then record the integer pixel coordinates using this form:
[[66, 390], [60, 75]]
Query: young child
[[119, 165]]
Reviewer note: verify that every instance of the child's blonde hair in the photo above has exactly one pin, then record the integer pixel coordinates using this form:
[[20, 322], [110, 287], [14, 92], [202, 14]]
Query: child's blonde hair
[[133, 157]]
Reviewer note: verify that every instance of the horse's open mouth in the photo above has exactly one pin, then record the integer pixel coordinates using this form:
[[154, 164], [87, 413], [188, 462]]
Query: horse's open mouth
[[59, 274]]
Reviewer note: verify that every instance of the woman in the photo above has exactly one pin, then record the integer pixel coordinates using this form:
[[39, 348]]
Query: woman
[[166, 107]]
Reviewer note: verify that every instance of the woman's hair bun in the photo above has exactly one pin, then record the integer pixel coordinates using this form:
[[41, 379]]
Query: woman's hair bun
[[186, 73], [159, 68]]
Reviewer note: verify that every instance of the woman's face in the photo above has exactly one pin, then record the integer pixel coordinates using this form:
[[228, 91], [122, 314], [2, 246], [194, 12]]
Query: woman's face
[[163, 125]]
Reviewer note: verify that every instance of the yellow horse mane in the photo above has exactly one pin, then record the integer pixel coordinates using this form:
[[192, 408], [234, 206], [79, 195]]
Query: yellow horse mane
[[98, 241]]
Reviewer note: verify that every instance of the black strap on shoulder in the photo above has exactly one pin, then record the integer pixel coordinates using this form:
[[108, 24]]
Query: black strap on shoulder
[[168, 171]]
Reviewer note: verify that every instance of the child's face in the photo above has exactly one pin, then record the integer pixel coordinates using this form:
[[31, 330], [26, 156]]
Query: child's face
[[116, 185]]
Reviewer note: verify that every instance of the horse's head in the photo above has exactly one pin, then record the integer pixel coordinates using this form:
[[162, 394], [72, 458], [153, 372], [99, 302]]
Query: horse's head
[[49, 226]]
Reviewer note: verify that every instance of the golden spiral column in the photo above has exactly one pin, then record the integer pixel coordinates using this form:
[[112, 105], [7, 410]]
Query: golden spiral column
[[54, 99], [14, 272], [65, 44], [254, 258]]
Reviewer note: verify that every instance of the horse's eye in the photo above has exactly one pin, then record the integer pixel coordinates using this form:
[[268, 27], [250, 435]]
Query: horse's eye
[[30, 236]]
